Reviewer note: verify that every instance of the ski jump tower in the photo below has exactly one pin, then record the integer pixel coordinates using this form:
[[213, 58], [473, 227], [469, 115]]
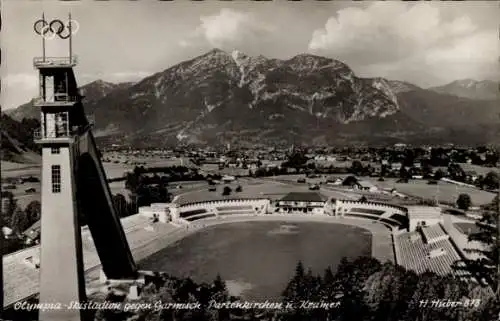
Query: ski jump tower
[[74, 187]]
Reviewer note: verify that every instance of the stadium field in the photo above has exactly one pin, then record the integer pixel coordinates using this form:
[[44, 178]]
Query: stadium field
[[258, 258]]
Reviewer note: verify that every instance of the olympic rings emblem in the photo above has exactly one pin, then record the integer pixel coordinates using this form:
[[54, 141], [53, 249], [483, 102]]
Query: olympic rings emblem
[[55, 28]]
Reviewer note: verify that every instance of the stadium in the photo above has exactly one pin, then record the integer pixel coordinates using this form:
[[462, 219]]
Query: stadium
[[254, 238]]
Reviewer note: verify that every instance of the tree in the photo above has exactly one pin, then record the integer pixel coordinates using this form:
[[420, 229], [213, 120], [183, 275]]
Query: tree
[[403, 173], [357, 168], [295, 290], [456, 172], [19, 222], [10, 208], [438, 174], [426, 169], [297, 160], [219, 289], [133, 181], [486, 265], [490, 181], [226, 191], [464, 202], [33, 211], [121, 206]]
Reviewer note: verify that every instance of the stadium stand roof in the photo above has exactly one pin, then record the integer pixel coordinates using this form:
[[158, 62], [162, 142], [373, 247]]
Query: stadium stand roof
[[424, 212], [303, 197], [433, 234]]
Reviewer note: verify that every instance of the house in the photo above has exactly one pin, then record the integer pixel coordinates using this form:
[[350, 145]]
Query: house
[[354, 183], [396, 166], [471, 176], [302, 202], [334, 181], [350, 181], [228, 178], [395, 193], [366, 186]]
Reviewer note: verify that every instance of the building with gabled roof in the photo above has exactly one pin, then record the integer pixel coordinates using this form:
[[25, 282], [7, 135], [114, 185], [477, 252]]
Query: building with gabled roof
[[302, 202]]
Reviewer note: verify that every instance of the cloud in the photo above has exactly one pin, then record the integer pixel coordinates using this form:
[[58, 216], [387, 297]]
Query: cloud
[[21, 80], [389, 35], [229, 29], [479, 47], [18, 89]]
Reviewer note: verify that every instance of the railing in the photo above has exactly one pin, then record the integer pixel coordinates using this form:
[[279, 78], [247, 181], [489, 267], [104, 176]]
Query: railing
[[55, 61], [56, 99], [38, 134]]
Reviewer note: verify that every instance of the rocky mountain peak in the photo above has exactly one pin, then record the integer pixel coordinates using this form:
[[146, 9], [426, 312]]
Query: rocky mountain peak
[[228, 97]]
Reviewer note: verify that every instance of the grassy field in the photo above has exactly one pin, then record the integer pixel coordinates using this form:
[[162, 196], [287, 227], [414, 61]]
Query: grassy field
[[252, 188], [446, 192], [467, 228], [480, 170], [258, 258], [10, 169], [19, 170]]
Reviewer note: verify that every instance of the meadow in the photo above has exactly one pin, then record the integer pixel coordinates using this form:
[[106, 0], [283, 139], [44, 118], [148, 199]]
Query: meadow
[[445, 192], [467, 228]]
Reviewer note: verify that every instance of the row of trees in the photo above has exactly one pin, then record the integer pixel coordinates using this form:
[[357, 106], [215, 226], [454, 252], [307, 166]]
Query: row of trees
[[145, 190], [367, 290], [363, 290], [168, 289], [486, 265], [226, 191], [18, 220]]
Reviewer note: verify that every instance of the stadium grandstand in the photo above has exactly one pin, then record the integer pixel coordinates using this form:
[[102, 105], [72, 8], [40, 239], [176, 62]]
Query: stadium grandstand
[[21, 269], [394, 216], [415, 236], [424, 216], [429, 248]]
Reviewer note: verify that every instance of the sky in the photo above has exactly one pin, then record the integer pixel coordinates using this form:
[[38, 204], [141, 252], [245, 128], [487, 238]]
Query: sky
[[424, 43]]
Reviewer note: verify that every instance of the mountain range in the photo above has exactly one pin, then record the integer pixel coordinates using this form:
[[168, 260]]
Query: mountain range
[[223, 97], [469, 88]]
